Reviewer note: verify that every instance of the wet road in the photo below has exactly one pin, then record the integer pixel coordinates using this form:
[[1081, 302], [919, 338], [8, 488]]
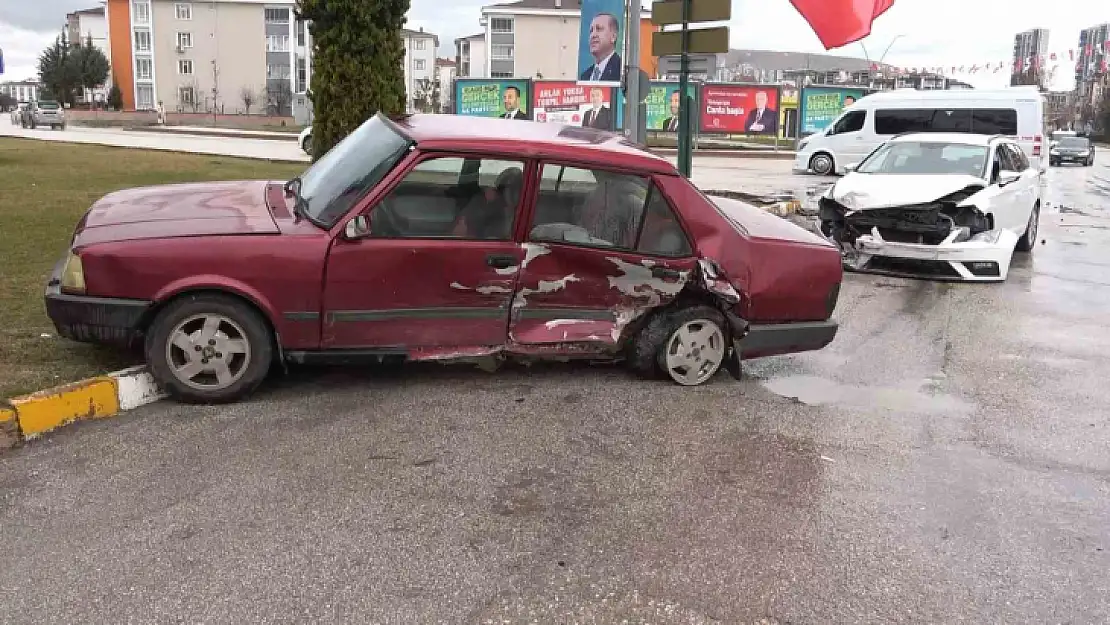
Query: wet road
[[945, 459]]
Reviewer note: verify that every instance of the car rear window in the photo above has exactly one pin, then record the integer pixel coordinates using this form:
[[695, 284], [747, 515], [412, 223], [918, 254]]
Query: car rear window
[[46, 104], [980, 121]]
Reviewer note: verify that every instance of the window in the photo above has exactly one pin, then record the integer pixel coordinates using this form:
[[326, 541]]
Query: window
[[418, 64], [184, 40], [277, 43], [144, 69], [501, 74], [419, 44], [142, 13], [852, 122], [183, 11], [185, 67], [994, 122], [501, 25], [277, 16], [982, 121], [302, 74], [144, 97], [142, 41], [186, 96], [601, 209], [501, 52], [277, 72], [301, 30], [452, 197], [1017, 158]]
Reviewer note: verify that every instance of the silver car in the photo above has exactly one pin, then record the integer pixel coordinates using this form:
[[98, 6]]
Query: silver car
[[17, 114], [44, 113]]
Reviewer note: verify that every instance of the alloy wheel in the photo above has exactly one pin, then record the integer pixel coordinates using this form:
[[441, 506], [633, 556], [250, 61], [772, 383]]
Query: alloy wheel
[[208, 352], [822, 164], [694, 352]]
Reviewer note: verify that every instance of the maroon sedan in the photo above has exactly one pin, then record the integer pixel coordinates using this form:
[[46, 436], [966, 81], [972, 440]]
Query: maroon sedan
[[444, 238]]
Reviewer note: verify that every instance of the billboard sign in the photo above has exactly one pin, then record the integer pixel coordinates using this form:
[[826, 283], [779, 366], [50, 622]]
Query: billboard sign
[[574, 104], [600, 41], [662, 106], [821, 105], [739, 109], [492, 98]]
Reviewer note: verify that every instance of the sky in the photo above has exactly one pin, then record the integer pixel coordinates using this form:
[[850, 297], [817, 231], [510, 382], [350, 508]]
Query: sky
[[919, 32]]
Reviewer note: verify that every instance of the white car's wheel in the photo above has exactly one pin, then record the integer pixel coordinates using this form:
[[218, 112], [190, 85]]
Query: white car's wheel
[[306, 145], [1028, 241], [822, 164]]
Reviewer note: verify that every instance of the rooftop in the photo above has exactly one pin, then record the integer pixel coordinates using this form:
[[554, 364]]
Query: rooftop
[[528, 138], [92, 11]]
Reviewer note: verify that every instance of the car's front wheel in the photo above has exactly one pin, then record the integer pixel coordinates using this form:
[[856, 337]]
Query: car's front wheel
[[209, 348], [306, 145], [822, 164], [687, 344], [1029, 240]]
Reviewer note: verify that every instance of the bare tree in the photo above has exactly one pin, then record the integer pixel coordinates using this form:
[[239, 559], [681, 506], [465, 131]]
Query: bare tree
[[427, 97], [279, 98], [248, 97]]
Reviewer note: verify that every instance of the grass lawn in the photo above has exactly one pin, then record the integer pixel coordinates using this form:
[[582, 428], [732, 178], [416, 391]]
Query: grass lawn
[[46, 186]]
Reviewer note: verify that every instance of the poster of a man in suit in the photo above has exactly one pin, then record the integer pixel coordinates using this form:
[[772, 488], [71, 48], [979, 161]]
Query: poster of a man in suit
[[511, 99], [600, 42], [670, 124], [762, 120], [598, 115]]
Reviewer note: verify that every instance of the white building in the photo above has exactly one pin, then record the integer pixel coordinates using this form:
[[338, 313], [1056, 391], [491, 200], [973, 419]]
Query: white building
[[420, 63], [470, 60], [80, 26], [23, 90], [446, 72]]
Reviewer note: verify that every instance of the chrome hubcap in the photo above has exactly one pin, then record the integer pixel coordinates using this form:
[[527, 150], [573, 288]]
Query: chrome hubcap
[[695, 352], [208, 352]]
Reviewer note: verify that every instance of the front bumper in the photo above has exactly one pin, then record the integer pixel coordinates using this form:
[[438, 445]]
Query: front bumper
[[106, 320], [985, 258], [801, 163]]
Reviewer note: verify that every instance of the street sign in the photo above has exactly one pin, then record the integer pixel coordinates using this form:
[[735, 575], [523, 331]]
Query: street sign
[[670, 12], [699, 64], [703, 41]]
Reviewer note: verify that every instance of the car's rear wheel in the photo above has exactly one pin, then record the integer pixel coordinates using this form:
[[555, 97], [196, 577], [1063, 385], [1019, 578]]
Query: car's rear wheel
[[822, 164], [306, 145], [687, 344], [1029, 240], [209, 348]]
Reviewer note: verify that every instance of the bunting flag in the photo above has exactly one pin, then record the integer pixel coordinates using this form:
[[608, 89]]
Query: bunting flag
[[838, 23]]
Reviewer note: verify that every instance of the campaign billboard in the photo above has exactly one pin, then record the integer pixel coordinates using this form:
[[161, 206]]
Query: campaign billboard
[[492, 98], [600, 41], [571, 103], [739, 109], [819, 106], [662, 106]]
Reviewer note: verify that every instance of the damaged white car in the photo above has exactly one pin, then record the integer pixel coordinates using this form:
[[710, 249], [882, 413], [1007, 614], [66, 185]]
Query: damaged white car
[[933, 205]]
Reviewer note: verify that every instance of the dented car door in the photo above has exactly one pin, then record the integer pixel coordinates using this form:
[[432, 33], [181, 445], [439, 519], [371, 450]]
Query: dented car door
[[602, 250]]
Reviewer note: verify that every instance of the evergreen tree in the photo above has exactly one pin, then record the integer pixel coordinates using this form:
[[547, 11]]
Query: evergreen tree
[[358, 64], [90, 65], [115, 97], [57, 71]]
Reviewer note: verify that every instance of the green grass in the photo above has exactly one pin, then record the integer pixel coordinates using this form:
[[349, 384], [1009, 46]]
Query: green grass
[[46, 186]]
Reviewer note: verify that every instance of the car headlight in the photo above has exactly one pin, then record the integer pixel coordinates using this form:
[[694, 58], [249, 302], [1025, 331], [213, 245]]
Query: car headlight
[[1054, 151], [73, 274], [1085, 153]]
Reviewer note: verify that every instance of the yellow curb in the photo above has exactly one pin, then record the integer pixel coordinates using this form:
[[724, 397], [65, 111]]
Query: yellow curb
[[44, 411]]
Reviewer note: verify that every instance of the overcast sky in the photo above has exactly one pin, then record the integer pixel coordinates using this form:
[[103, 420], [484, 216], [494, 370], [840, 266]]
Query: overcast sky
[[933, 32]]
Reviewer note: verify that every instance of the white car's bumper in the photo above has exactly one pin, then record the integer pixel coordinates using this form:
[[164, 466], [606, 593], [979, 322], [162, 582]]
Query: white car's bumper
[[801, 163], [984, 258]]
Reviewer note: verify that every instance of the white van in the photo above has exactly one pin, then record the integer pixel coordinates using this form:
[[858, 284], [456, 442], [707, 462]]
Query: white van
[[1016, 112]]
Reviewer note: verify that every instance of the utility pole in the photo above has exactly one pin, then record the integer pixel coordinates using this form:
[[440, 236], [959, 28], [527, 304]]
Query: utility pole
[[632, 75]]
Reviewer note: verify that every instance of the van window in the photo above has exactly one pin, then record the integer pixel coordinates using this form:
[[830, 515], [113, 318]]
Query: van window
[[994, 122], [852, 122], [983, 121]]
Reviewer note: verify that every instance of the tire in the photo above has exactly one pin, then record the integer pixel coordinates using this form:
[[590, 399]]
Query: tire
[[1028, 240], [239, 330], [822, 164], [306, 145], [652, 353]]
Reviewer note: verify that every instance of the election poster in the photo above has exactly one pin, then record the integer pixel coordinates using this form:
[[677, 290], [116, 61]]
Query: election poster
[[575, 104], [492, 98], [600, 41], [739, 109], [820, 106], [662, 105]]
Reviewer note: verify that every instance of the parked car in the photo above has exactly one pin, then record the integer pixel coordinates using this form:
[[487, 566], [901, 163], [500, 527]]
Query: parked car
[[305, 140], [1073, 150], [44, 113], [435, 237], [17, 114], [949, 206]]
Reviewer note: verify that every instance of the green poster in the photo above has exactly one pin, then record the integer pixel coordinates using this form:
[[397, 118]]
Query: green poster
[[662, 106], [492, 98]]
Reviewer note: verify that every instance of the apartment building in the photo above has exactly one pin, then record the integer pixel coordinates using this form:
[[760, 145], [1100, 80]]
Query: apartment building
[[1030, 50], [22, 90], [420, 63], [470, 58], [210, 55], [446, 72], [548, 31], [83, 25]]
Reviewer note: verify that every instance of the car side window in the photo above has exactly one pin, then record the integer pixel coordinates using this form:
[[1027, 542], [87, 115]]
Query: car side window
[[1017, 156], [1010, 160], [597, 208], [454, 198], [852, 122]]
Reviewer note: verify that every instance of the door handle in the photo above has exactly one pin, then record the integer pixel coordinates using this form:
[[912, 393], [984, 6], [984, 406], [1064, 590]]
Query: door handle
[[665, 273], [501, 261]]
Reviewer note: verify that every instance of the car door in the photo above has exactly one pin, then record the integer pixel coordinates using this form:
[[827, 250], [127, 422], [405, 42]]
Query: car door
[[1025, 190], [848, 140], [602, 247], [432, 262]]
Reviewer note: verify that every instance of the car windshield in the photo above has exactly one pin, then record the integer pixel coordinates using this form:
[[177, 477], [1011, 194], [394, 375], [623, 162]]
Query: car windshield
[[1073, 142], [926, 158], [46, 104], [332, 185]]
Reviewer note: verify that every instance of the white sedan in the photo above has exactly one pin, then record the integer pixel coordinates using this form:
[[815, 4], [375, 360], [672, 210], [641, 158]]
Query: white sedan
[[945, 206]]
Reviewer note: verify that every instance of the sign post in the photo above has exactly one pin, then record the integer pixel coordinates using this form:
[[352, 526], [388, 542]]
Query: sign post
[[683, 43]]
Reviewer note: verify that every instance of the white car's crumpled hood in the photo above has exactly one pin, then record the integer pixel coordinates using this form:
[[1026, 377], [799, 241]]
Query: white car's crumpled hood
[[869, 191]]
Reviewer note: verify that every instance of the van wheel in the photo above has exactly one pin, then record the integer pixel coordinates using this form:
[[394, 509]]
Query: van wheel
[[1029, 240], [822, 164], [687, 344], [209, 349]]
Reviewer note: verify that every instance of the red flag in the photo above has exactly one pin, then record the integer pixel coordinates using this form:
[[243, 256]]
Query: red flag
[[1071, 55], [1052, 57], [1106, 46], [840, 22]]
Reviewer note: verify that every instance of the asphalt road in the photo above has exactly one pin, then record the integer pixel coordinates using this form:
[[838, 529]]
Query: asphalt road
[[944, 460]]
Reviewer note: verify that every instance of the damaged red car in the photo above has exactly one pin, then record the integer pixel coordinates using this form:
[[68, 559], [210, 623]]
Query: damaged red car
[[435, 237]]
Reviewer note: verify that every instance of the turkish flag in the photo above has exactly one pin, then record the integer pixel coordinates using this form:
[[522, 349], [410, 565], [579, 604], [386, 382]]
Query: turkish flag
[[840, 22]]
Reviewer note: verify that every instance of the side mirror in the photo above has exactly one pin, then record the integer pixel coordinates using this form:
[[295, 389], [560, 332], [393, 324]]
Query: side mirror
[[1008, 177], [850, 167], [357, 228]]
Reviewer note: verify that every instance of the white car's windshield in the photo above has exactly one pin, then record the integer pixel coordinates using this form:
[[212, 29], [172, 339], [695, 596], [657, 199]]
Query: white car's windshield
[[926, 158], [333, 184]]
